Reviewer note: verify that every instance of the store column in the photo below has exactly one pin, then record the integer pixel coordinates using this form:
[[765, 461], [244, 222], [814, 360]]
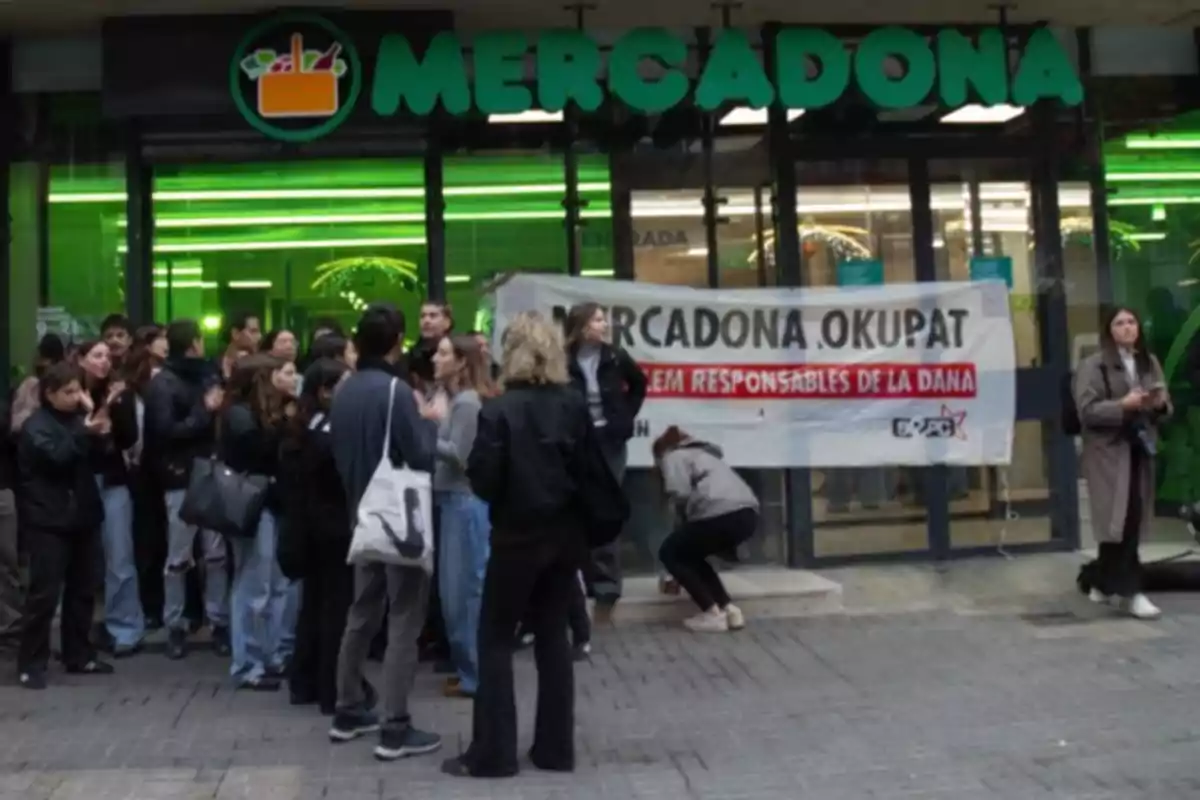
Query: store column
[[797, 482]]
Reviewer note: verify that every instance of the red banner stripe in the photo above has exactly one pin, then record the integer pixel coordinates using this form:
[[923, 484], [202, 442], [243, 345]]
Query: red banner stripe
[[811, 381]]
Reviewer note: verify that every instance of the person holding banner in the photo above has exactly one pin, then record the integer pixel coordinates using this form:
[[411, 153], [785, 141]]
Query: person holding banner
[[615, 388], [717, 512], [1121, 400]]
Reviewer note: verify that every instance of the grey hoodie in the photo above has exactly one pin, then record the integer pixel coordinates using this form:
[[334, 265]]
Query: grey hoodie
[[695, 476]]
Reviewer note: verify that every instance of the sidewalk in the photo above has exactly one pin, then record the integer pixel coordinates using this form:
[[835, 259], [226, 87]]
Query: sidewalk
[[1006, 685]]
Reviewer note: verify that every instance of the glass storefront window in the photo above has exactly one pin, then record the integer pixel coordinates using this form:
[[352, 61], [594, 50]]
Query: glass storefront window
[[1154, 213], [86, 245], [504, 213], [290, 242]]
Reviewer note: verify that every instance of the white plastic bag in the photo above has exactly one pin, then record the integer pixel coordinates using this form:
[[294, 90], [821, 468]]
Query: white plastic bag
[[395, 516]]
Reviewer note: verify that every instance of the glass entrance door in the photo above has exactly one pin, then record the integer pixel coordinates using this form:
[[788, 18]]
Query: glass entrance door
[[856, 228]]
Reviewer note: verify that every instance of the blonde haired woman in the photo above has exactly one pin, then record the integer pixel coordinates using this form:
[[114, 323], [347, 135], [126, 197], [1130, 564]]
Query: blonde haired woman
[[526, 465]]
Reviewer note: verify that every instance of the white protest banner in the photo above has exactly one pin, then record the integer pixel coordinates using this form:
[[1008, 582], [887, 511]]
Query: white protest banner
[[909, 374]]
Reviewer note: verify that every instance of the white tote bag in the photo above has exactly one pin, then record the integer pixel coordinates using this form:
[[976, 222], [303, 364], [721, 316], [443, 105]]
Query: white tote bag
[[395, 516]]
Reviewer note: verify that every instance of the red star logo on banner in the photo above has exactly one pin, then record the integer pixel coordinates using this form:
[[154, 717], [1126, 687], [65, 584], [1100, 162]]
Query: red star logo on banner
[[960, 420]]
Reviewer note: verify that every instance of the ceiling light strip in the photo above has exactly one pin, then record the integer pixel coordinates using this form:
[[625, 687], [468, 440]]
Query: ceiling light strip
[[357, 219], [322, 194], [312, 244]]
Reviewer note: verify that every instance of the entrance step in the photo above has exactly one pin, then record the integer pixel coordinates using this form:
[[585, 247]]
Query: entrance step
[[759, 591]]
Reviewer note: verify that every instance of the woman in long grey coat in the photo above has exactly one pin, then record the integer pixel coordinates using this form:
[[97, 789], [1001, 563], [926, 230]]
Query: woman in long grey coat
[[1122, 399]]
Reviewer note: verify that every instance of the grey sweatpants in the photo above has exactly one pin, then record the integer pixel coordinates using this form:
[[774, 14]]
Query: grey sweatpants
[[404, 593]]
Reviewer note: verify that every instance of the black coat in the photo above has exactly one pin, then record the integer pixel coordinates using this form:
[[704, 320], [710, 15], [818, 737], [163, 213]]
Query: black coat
[[8, 449], [316, 516], [107, 453], [58, 490], [622, 391], [247, 446], [526, 462], [178, 428]]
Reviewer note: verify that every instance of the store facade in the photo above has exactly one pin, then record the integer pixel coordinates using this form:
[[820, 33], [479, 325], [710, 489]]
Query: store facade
[[406, 159]]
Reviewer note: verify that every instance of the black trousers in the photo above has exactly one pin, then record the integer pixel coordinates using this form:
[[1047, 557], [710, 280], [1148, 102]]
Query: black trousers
[[685, 553], [433, 636], [577, 618], [1118, 566], [61, 566], [327, 594], [537, 580], [149, 540]]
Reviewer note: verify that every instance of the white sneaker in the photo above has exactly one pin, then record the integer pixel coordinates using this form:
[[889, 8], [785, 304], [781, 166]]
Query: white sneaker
[[1099, 598], [715, 621], [737, 620], [1139, 606]]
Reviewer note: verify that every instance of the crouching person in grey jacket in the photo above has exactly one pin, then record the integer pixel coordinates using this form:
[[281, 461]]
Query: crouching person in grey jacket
[[716, 510]]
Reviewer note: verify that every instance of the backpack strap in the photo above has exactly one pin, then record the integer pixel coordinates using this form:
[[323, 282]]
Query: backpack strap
[[1107, 386]]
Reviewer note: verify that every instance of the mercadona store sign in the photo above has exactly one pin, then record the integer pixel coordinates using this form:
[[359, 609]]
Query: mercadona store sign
[[297, 77]]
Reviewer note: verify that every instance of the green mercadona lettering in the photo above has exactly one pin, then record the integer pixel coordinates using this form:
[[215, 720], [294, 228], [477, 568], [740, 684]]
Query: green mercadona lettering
[[957, 67]]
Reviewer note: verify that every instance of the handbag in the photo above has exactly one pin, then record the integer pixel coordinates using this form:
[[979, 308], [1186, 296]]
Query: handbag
[[394, 521], [222, 500]]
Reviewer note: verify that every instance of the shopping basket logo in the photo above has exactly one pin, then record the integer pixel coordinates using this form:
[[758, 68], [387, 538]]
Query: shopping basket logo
[[295, 77]]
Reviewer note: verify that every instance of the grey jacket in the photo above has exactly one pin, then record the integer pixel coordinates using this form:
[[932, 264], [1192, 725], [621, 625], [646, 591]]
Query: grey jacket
[[456, 435], [695, 477]]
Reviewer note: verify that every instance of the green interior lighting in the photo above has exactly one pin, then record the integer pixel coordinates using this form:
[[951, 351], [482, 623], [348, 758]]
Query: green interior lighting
[[324, 194], [211, 323], [1159, 213], [1162, 141], [1151, 177]]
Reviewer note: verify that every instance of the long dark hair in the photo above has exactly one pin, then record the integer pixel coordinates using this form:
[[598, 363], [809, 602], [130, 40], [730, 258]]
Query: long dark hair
[[251, 384], [1141, 355], [322, 374], [577, 321], [141, 361], [97, 388]]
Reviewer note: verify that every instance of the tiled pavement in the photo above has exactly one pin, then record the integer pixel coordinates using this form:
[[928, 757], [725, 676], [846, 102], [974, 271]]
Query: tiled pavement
[[935, 705]]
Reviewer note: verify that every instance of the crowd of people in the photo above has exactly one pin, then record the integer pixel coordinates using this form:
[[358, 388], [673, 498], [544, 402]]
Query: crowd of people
[[526, 453]]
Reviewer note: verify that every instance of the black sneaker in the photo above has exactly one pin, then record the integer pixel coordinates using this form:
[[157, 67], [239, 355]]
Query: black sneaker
[[266, 683], [154, 622], [176, 645], [220, 641], [349, 725], [92, 667], [32, 680], [397, 743]]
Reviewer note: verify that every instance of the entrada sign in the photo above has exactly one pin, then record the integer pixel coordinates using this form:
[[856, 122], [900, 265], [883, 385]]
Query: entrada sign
[[490, 77]]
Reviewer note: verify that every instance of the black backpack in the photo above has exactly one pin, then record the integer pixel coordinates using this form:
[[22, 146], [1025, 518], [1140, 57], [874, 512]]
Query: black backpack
[[1071, 423]]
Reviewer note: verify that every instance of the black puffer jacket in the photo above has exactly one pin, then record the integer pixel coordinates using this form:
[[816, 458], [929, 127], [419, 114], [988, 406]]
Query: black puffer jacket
[[58, 491], [178, 428], [622, 391]]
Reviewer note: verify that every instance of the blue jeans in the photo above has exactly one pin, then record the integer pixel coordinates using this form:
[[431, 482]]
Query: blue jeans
[[123, 616], [181, 538], [258, 600], [462, 561]]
